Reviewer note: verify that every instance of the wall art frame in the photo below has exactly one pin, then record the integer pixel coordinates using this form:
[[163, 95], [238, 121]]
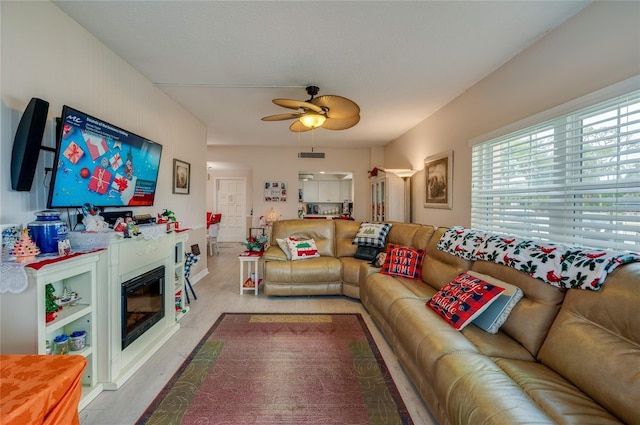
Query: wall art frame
[[275, 191], [181, 177], [438, 175]]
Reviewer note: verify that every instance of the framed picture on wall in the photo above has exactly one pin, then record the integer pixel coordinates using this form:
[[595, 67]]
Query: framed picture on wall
[[181, 177], [275, 191], [438, 172]]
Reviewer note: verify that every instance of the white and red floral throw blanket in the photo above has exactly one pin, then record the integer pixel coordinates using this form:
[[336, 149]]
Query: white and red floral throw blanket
[[559, 265]]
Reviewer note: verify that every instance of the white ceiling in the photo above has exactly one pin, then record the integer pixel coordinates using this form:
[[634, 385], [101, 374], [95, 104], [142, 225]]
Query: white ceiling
[[400, 61]]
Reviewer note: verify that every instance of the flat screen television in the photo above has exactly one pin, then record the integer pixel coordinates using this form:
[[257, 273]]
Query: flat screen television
[[101, 164]]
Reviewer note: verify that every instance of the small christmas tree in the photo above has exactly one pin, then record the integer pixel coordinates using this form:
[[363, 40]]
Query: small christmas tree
[[50, 302], [25, 249]]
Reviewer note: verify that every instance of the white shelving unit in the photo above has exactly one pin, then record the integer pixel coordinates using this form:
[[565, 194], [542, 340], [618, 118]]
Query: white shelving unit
[[24, 328], [181, 306], [387, 201]]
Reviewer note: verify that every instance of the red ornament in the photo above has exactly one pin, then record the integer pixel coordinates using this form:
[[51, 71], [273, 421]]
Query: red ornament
[[84, 173]]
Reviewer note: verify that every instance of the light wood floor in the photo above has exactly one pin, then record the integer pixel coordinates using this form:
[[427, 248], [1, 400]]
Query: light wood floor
[[218, 293]]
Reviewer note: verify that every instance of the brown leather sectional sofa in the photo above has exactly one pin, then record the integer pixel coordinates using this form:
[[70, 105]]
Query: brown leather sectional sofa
[[562, 356]]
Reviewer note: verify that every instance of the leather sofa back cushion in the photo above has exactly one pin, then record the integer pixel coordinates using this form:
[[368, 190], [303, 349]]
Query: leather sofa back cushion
[[321, 231], [439, 267], [345, 232], [403, 233], [532, 316], [595, 342]]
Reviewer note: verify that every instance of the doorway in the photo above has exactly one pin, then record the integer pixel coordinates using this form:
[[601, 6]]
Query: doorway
[[230, 201]]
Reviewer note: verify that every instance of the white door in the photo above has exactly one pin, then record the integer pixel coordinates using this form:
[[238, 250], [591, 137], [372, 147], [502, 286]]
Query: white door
[[230, 199]]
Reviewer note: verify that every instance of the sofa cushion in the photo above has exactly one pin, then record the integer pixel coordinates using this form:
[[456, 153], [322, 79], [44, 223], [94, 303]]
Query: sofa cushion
[[282, 243], [366, 253], [403, 261], [463, 299], [498, 345], [595, 342], [475, 390], [345, 232], [404, 233], [313, 270], [301, 249], [321, 231], [559, 398], [372, 234], [439, 267], [532, 316], [497, 313]]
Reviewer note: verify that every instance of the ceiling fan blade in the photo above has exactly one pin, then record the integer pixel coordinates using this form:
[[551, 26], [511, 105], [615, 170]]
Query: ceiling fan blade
[[281, 117], [340, 124], [337, 106], [298, 127], [296, 104]]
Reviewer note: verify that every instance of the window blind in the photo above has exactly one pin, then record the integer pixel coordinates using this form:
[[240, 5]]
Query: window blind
[[573, 179]]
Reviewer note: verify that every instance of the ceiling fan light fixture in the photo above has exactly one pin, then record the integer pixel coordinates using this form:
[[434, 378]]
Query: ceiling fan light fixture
[[312, 119]]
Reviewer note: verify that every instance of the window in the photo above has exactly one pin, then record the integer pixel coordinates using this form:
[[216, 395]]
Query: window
[[574, 179]]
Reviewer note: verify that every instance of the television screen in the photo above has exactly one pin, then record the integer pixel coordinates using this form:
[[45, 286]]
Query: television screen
[[101, 164]]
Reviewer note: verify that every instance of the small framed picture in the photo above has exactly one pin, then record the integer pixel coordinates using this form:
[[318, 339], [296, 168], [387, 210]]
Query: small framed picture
[[438, 172], [181, 177], [275, 191]]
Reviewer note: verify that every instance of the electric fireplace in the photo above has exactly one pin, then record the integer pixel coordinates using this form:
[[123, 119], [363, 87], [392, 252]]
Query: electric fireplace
[[142, 304]]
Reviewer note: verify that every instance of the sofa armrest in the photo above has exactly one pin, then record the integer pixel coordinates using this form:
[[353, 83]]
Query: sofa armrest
[[274, 253]]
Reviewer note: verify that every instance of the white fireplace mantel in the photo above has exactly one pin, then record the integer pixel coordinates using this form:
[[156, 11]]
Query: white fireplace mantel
[[124, 260]]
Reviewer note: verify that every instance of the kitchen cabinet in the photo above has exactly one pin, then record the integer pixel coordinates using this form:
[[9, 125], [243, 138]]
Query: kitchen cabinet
[[329, 191], [310, 191]]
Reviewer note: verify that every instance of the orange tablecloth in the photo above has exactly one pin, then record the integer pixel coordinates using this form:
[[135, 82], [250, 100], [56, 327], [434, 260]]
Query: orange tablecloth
[[40, 389]]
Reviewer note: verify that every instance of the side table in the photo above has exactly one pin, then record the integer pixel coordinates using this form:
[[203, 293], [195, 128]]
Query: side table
[[250, 258]]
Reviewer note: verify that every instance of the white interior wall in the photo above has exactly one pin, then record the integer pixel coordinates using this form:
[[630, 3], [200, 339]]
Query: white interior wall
[[283, 164], [598, 47], [48, 55]]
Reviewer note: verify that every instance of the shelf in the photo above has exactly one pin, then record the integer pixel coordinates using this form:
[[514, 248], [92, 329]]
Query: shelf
[[179, 278], [68, 315], [85, 352], [180, 314], [23, 326]]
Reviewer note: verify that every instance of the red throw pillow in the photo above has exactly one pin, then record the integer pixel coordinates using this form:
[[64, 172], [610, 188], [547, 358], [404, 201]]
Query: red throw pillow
[[403, 261], [463, 299]]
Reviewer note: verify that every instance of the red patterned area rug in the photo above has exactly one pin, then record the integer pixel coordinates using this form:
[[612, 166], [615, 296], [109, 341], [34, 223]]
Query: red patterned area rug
[[275, 369]]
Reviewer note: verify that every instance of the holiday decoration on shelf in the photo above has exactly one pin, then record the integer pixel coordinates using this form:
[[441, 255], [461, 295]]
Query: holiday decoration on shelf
[[25, 249], [93, 221], [68, 297], [168, 217], [50, 302], [130, 228], [256, 243]]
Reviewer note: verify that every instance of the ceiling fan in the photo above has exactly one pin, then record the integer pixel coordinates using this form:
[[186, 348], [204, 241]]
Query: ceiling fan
[[329, 111]]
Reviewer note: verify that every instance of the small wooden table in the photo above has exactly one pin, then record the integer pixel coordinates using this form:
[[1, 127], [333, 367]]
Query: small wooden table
[[250, 258]]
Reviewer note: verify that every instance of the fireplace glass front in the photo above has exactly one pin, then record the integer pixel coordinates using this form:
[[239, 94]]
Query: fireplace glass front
[[142, 304]]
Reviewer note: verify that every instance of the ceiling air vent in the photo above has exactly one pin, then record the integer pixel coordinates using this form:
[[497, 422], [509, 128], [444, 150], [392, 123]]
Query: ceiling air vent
[[310, 154]]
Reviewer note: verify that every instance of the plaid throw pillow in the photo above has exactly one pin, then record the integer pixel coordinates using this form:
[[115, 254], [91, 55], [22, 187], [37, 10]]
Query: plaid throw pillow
[[403, 261], [372, 234], [463, 299]]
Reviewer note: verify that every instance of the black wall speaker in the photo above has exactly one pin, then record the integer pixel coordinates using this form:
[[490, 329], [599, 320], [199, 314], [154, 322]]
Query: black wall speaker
[[27, 143]]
